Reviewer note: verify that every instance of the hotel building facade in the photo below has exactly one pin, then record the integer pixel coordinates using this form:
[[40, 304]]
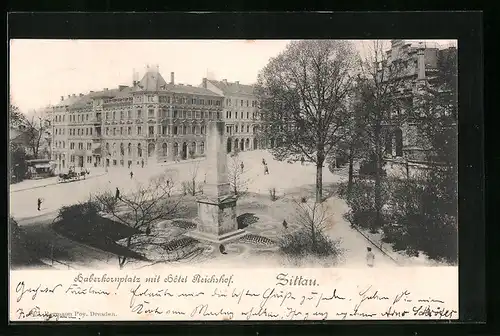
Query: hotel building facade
[[240, 112], [148, 122]]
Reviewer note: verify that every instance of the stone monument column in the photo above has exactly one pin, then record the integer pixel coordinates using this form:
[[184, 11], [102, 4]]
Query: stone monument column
[[217, 207]]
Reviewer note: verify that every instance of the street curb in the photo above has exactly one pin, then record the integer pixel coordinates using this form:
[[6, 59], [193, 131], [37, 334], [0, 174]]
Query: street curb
[[376, 245], [55, 183]]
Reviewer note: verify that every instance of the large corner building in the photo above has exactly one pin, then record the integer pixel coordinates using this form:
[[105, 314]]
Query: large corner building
[[240, 112], [420, 62], [148, 122]]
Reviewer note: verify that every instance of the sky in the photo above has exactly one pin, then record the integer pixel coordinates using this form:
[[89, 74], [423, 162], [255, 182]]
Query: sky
[[41, 71]]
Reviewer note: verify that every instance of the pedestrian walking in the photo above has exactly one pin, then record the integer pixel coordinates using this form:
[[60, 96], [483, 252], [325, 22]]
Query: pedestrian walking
[[131, 175], [370, 257], [117, 194], [264, 162], [285, 224], [39, 202], [242, 167], [302, 160], [266, 170], [142, 163]]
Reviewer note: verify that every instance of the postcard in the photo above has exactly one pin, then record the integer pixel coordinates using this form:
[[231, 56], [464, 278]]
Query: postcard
[[242, 180]]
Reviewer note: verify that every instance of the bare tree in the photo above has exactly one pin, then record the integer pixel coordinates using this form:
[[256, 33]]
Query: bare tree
[[192, 186], [313, 219], [141, 209], [303, 93], [379, 81], [237, 175], [36, 128]]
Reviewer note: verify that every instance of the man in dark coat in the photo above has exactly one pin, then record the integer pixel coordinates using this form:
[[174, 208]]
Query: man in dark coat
[[222, 249], [117, 194], [285, 224]]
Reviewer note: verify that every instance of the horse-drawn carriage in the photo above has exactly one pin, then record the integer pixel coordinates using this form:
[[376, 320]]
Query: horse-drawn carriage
[[72, 175]]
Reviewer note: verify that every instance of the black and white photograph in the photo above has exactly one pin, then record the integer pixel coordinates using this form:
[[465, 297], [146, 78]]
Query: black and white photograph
[[158, 154]]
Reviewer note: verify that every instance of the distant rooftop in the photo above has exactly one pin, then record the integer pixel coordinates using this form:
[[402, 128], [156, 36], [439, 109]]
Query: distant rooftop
[[152, 81], [233, 87]]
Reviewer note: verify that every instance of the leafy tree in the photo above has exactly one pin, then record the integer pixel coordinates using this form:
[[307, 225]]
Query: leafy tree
[[18, 161], [16, 118], [303, 93], [379, 80]]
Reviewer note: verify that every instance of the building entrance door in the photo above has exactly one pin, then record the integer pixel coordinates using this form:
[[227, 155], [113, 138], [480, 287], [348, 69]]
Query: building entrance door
[[184, 151], [80, 161]]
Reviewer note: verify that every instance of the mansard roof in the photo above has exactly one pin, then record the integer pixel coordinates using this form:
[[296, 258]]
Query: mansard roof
[[233, 88]]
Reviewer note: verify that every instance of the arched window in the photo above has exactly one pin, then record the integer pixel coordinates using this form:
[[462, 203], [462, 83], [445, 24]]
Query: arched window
[[107, 147], [193, 129], [139, 150], [202, 148], [114, 148], [122, 149], [184, 129], [202, 130], [164, 149], [193, 147], [129, 148]]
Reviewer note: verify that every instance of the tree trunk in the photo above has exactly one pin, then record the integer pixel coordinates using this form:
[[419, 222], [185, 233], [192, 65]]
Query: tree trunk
[[351, 173], [313, 237], [378, 193], [319, 182]]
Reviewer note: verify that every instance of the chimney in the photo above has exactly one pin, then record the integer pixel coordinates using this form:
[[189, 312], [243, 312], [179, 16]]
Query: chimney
[[237, 83], [74, 95], [224, 81], [105, 89], [62, 98], [204, 83], [172, 80], [91, 91], [69, 96], [81, 94]]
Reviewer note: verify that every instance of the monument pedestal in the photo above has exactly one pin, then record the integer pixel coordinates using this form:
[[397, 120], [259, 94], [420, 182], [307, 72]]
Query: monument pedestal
[[217, 221]]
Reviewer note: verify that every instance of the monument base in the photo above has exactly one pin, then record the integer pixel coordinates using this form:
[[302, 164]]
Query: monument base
[[219, 239], [217, 220]]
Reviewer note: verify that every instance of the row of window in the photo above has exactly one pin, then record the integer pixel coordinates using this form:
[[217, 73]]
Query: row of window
[[161, 130], [254, 103], [179, 100], [239, 128], [80, 145], [162, 113], [113, 150], [241, 115]]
